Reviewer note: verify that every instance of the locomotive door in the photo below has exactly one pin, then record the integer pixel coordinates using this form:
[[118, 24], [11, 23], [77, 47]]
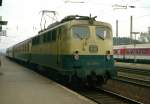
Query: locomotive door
[[59, 46], [29, 51]]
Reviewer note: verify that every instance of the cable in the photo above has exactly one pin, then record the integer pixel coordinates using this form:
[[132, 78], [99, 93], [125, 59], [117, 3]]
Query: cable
[[142, 16]]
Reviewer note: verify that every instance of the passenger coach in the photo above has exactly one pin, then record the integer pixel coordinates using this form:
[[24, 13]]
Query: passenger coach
[[133, 53]]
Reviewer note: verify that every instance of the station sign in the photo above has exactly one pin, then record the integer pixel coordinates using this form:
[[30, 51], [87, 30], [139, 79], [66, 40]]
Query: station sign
[[3, 33], [3, 22]]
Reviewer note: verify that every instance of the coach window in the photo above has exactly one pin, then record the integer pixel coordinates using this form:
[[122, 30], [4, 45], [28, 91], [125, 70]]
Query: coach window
[[37, 40], [80, 32], [23, 48], [41, 39], [33, 41]]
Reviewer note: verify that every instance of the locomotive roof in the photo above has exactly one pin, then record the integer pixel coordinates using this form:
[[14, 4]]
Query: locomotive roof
[[74, 19], [71, 18]]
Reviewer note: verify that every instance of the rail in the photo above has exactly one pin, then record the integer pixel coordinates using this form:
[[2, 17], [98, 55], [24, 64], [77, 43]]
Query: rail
[[137, 82], [134, 70], [102, 96], [134, 76]]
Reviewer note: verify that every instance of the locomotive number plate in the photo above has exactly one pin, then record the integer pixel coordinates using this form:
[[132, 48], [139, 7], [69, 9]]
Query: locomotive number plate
[[93, 48]]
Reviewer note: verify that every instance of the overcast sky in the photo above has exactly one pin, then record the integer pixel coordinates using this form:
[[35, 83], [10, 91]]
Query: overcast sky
[[24, 16]]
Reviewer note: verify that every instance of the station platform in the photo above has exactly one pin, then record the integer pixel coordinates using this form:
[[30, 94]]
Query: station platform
[[133, 65], [19, 85]]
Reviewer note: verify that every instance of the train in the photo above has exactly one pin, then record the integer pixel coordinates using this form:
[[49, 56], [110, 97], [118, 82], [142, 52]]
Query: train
[[77, 49], [132, 53]]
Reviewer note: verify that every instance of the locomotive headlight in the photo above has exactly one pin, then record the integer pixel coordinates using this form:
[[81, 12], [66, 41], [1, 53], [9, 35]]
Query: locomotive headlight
[[76, 55], [108, 55]]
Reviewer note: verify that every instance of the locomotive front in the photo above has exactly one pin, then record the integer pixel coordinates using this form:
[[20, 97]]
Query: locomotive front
[[90, 56]]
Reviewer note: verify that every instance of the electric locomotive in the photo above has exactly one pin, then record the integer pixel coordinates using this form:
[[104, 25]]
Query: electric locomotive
[[76, 49]]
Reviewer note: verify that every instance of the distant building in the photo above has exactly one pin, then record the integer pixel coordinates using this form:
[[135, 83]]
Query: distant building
[[0, 2], [124, 41], [145, 36]]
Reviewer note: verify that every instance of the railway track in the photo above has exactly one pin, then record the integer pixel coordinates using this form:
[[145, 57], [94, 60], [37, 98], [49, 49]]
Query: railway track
[[134, 70], [102, 96], [137, 82], [134, 76]]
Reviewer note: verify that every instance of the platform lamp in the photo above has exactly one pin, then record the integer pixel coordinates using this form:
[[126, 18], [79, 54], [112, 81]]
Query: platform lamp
[[2, 32]]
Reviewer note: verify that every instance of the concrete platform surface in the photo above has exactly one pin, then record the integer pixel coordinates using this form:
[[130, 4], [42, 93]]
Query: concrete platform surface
[[19, 85]]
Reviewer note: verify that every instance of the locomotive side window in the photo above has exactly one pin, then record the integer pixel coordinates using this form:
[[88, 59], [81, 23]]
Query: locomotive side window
[[54, 32], [49, 36], [102, 32], [45, 36], [80, 32]]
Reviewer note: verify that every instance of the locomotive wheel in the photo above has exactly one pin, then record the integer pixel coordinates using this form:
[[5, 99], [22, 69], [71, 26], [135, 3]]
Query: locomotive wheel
[[90, 82], [75, 82]]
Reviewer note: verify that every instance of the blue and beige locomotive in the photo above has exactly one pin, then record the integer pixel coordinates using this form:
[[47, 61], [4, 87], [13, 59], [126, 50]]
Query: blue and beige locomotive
[[78, 48]]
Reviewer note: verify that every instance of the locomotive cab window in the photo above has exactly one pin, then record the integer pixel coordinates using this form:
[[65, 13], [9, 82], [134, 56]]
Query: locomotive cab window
[[80, 32], [102, 32]]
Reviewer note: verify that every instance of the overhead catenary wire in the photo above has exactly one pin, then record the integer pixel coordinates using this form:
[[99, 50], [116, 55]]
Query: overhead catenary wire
[[142, 16]]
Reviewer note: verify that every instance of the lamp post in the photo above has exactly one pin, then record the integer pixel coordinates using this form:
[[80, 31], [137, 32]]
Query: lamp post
[[134, 44], [117, 6]]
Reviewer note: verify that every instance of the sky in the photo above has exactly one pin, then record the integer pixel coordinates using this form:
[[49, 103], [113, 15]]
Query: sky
[[24, 16]]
